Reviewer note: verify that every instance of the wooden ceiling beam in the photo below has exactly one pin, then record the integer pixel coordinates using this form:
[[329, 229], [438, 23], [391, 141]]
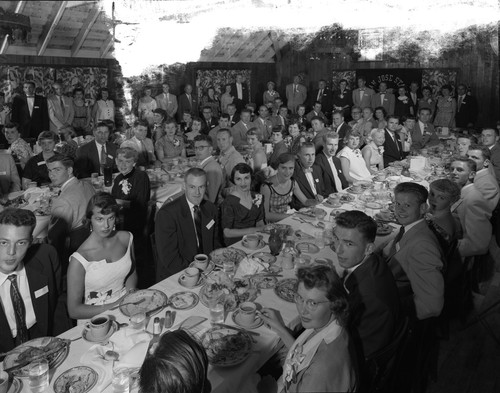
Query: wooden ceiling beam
[[264, 45], [251, 46], [84, 31], [20, 7], [106, 46], [45, 38], [233, 50], [214, 50], [276, 45]]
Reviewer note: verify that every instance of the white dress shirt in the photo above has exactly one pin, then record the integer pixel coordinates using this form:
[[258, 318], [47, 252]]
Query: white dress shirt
[[336, 178], [191, 209], [310, 180], [5, 299]]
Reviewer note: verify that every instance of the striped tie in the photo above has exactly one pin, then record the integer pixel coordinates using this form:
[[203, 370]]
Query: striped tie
[[19, 310]]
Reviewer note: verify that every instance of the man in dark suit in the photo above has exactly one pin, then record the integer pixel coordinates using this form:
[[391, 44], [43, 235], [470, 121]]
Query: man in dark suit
[[30, 281], [333, 178], [308, 176], [324, 96], [466, 114], [233, 116], [30, 111], [208, 122], [187, 102], [414, 97], [185, 227], [91, 157], [393, 150], [373, 295], [341, 127], [240, 90], [491, 139]]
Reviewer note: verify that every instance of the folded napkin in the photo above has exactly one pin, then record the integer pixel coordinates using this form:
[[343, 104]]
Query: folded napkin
[[417, 163], [249, 265], [131, 345]]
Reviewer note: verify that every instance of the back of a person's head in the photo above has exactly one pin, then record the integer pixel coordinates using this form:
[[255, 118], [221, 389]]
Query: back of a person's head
[[179, 364]]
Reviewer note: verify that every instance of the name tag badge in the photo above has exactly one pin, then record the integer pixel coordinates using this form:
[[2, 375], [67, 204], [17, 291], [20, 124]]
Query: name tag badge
[[317, 180], [110, 157], [36, 107], [42, 291], [41, 163], [210, 224]]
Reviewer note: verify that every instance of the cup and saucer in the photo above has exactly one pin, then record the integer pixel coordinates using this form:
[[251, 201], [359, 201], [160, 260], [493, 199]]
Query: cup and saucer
[[191, 278], [253, 242], [99, 329], [246, 316]]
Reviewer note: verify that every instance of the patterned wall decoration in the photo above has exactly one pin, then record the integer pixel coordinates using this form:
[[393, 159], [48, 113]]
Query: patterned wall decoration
[[90, 78], [218, 79], [435, 78]]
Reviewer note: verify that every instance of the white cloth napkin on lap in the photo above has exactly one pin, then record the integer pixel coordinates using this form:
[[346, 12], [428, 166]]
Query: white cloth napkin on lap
[[131, 345]]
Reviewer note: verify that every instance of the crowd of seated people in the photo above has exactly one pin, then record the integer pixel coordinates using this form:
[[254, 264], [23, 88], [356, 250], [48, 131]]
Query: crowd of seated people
[[252, 172]]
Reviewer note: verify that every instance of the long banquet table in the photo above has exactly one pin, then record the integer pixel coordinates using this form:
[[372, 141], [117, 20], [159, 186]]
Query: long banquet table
[[236, 378]]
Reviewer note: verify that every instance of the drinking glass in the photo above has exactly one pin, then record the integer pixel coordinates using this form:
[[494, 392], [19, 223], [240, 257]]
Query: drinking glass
[[229, 268], [38, 373], [121, 380]]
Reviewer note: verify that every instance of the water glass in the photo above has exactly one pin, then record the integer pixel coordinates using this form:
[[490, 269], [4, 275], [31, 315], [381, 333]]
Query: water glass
[[38, 373], [318, 239], [121, 380], [229, 269], [216, 308]]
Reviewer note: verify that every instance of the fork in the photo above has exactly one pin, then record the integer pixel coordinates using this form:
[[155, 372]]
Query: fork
[[129, 304]]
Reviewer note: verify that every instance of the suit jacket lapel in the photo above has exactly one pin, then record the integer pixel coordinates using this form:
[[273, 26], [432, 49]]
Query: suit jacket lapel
[[302, 180]]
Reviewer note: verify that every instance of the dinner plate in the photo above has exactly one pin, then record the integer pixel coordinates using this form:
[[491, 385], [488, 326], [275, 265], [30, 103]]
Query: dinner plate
[[227, 254], [233, 293], [264, 257], [383, 229], [80, 378], [87, 334], [153, 300], [307, 247], [285, 289], [226, 346], [207, 270], [390, 217], [237, 320], [346, 198], [373, 205], [330, 205], [56, 349], [310, 213], [261, 244], [16, 385], [280, 227], [184, 300], [352, 191], [263, 281]]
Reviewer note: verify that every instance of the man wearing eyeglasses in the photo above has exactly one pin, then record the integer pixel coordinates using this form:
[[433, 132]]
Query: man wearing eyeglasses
[[373, 295], [203, 147]]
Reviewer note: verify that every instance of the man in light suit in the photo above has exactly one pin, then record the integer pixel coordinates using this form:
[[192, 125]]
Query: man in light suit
[[308, 176], [296, 94], [239, 130], [485, 180], [393, 149], [203, 147], [372, 292], [68, 209], [472, 209], [167, 101], [333, 178], [37, 277], [91, 157], [263, 124], [414, 255], [466, 114], [187, 102], [30, 112], [9, 176], [490, 138], [316, 112], [240, 90], [362, 96], [423, 133], [281, 118], [384, 99], [185, 227], [61, 111]]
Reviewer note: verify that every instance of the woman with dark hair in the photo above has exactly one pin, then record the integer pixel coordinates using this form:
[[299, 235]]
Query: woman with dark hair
[[36, 167], [427, 101], [242, 210], [351, 159], [318, 360], [257, 157], [446, 108], [294, 133], [102, 270], [211, 100], [104, 108], [81, 120], [402, 105], [379, 115], [178, 364], [279, 145]]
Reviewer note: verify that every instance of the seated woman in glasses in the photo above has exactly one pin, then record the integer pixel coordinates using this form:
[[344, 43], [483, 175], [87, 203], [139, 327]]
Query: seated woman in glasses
[[318, 360]]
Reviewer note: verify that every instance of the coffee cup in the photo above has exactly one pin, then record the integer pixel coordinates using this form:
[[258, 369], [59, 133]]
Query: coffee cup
[[380, 177], [190, 277], [201, 261], [4, 382], [99, 326], [247, 313], [334, 198], [252, 241], [356, 188]]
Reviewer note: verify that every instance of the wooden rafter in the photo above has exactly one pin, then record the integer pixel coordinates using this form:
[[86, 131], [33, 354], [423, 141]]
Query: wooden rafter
[[84, 31], [20, 7], [264, 45], [276, 45], [233, 50], [214, 50], [252, 43], [45, 38], [106, 46]]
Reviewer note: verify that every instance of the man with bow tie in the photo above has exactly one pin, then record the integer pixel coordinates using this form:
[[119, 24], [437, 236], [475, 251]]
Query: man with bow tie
[[384, 99], [30, 111], [296, 94], [308, 176], [362, 96]]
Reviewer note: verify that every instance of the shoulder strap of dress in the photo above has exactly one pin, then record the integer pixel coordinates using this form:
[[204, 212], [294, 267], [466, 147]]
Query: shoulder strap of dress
[[79, 258]]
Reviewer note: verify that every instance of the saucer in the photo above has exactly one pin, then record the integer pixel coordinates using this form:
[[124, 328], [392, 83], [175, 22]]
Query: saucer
[[350, 189], [332, 205], [207, 270], [373, 205], [256, 323], [201, 281], [261, 244], [87, 334]]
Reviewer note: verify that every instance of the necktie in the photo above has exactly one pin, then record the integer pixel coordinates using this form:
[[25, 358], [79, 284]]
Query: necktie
[[396, 240], [19, 310], [103, 156], [382, 96], [459, 102], [320, 95], [197, 225], [61, 102]]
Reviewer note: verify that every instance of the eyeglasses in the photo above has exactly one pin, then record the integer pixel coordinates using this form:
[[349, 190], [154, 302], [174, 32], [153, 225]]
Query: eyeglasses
[[198, 148], [311, 305]]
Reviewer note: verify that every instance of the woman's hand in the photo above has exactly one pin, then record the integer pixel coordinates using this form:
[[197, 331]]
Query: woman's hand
[[272, 318]]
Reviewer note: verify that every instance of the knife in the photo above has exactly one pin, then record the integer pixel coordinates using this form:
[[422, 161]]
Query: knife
[[151, 312]]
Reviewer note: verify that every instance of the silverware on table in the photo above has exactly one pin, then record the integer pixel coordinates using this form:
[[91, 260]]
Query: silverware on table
[[129, 304]]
